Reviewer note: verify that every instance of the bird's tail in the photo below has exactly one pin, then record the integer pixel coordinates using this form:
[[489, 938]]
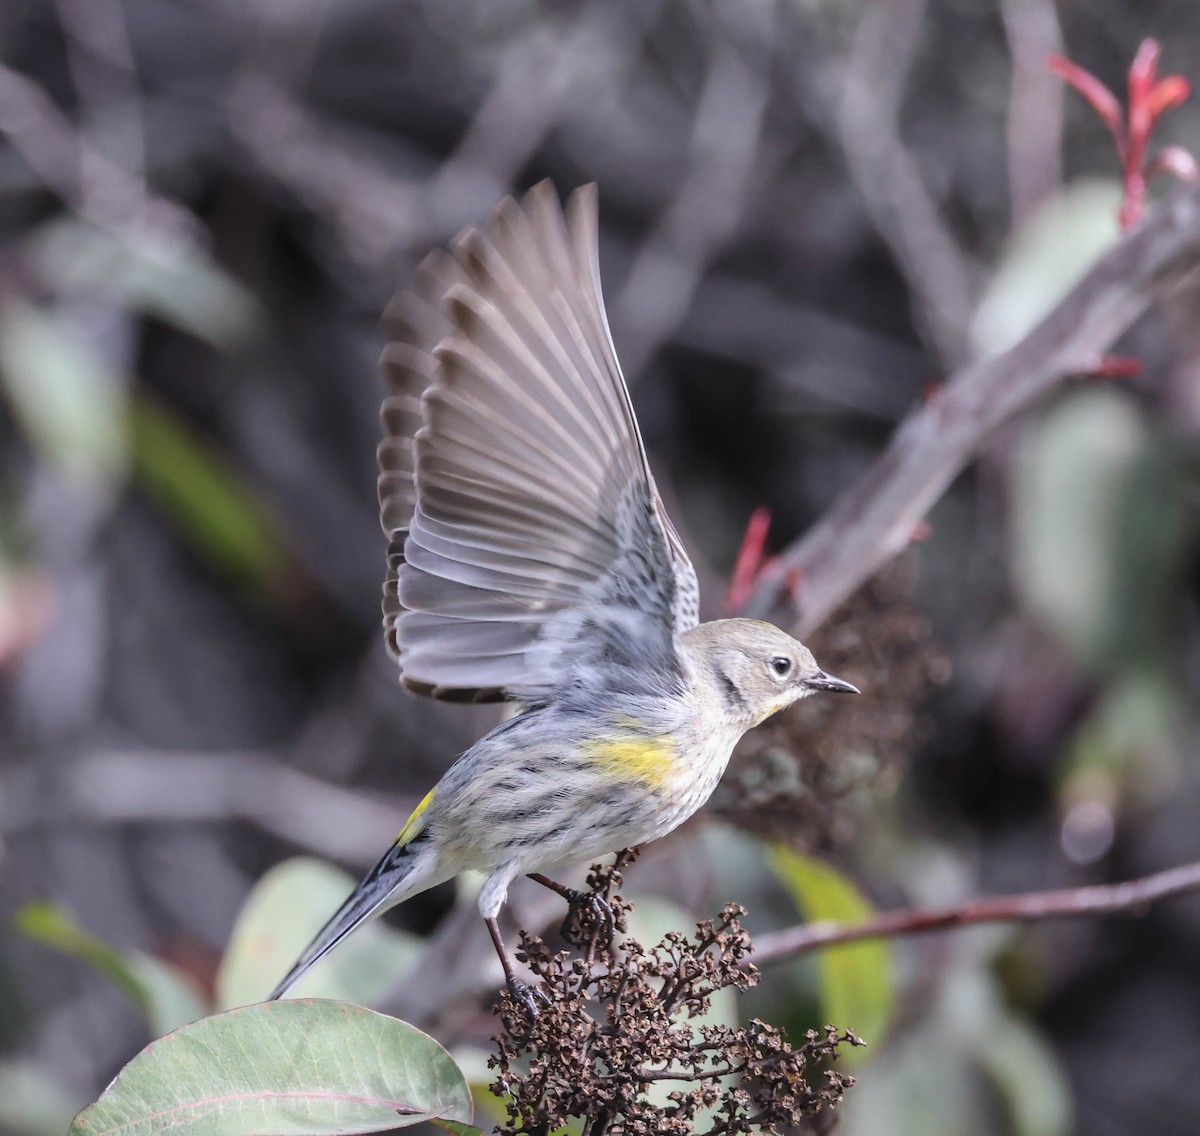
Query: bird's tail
[[407, 868]]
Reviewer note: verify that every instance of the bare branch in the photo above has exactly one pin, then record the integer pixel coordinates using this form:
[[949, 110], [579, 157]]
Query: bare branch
[[1035, 105], [875, 519], [863, 123], [725, 138], [1129, 898], [68, 164], [116, 787]]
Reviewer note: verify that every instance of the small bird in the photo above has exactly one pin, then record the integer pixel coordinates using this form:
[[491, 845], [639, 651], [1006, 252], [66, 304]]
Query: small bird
[[531, 559]]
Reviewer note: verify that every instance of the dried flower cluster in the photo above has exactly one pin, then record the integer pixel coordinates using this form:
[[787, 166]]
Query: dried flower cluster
[[614, 1031], [787, 777]]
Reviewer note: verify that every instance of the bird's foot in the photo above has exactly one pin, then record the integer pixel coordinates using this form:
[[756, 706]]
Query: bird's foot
[[528, 999], [590, 920]]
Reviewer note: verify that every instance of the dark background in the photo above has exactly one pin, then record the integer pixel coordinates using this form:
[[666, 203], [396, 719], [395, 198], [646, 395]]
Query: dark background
[[204, 208]]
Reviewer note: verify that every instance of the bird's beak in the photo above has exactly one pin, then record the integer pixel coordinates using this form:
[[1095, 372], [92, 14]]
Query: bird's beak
[[824, 681]]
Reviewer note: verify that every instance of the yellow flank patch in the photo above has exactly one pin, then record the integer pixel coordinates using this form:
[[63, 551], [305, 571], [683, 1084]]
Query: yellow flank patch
[[638, 758], [413, 826]]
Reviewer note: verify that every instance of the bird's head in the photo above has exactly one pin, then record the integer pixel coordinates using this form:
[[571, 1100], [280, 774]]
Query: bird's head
[[754, 669]]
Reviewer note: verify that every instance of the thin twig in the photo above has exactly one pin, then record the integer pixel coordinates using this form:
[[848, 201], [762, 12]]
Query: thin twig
[[877, 516], [1129, 898]]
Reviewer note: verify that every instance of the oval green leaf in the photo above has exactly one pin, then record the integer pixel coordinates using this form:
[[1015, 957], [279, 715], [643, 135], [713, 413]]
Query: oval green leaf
[[857, 989], [1051, 252], [278, 920], [313, 1068]]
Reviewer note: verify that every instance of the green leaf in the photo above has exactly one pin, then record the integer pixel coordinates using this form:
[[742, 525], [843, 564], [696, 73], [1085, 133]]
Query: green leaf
[[312, 1068], [30, 1103], [67, 399], [473, 1061], [1100, 531], [166, 997], [278, 920], [1068, 489], [209, 502], [857, 989], [1028, 1076], [175, 280], [651, 921], [928, 1079], [922, 1084], [1050, 253]]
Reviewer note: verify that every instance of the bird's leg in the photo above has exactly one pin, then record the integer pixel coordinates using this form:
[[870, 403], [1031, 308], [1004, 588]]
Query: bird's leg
[[517, 990], [590, 918]]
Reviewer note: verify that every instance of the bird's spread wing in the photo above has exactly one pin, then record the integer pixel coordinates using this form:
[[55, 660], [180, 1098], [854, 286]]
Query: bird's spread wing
[[529, 549]]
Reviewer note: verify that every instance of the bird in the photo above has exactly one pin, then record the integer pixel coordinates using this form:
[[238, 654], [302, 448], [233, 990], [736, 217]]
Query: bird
[[531, 560]]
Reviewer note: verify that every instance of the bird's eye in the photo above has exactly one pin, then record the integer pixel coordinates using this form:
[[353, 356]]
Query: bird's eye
[[781, 664]]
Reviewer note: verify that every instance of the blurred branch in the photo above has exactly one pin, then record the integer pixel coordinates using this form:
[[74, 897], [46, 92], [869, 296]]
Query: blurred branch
[[1035, 105], [1129, 898], [864, 126], [540, 81], [374, 212], [103, 71], [119, 787], [69, 165], [876, 518], [725, 138]]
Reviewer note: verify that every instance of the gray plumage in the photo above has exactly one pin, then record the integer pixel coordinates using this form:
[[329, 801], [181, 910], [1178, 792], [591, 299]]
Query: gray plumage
[[530, 558], [526, 536]]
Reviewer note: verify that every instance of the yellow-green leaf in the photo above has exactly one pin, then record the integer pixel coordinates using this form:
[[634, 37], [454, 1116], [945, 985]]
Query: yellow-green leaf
[[211, 505], [857, 990], [164, 994]]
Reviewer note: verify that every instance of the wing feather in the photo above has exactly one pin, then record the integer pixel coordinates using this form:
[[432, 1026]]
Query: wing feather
[[529, 553]]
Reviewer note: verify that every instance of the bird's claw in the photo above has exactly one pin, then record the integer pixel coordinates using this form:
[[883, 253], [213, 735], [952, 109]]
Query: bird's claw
[[590, 920], [528, 998]]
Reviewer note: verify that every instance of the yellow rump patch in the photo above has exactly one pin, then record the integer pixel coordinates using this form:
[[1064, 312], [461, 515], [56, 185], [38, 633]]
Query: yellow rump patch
[[414, 825], [640, 758]]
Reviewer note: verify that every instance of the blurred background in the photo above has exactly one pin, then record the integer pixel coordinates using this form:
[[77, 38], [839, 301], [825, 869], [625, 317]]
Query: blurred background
[[811, 211]]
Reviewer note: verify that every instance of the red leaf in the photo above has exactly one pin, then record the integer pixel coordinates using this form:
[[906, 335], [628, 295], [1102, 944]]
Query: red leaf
[[1167, 93], [1142, 71], [1103, 101], [751, 558], [1117, 367]]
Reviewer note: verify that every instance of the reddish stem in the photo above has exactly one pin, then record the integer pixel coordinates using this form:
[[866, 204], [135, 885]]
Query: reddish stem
[[751, 558], [1130, 898]]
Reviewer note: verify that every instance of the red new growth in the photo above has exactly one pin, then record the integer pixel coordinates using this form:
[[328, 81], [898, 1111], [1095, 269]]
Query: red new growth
[[752, 559], [1117, 367], [1149, 98]]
